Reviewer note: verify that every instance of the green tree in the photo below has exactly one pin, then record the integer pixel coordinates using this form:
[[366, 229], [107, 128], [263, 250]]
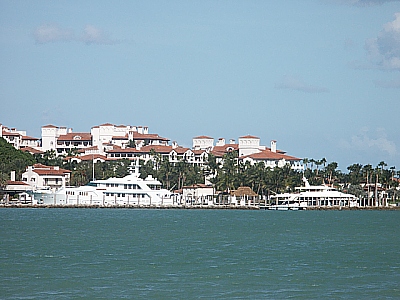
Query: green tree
[[12, 159]]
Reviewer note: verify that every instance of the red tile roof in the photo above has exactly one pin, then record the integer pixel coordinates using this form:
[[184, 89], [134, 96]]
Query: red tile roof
[[29, 138], [120, 150], [31, 150], [125, 137], [8, 133], [180, 150], [141, 136], [49, 170], [92, 156], [219, 151], [198, 152], [9, 182], [249, 137], [83, 136], [269, 155], [203, 137], [157, 149]]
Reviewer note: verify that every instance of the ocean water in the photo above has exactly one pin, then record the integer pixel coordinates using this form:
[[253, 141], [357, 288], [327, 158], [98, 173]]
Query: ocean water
[[199, 254]]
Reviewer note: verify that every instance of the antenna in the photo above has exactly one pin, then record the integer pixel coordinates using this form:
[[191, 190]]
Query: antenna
[[93, 167]]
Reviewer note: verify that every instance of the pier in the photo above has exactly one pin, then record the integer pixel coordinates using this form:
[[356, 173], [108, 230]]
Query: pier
[[224, 207]]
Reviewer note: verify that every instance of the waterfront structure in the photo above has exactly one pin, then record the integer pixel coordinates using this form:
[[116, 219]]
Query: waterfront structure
[[313, 196], [198, 194], [130, 190], [40, 176], [15, 190], [243, 196]]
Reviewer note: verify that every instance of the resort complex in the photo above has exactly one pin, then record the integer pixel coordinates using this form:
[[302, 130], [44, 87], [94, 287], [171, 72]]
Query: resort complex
[[113, 142], [41, 184]]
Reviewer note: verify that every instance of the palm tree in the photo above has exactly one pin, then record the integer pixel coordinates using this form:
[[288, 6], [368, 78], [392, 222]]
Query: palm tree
[[305, 162], [3, 180], [165, 172], [367, 173], [330, 169]]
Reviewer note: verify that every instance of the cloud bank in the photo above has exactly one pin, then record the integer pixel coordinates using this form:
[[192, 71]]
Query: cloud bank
[[367, 141], [297, 84], [384, 50], [51, 33]]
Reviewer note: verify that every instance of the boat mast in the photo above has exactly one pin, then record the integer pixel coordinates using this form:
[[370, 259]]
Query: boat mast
[[93, 167]]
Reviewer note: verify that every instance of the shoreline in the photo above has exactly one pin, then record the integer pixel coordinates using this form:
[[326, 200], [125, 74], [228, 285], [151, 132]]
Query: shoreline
[[224, 207], [206, 207]]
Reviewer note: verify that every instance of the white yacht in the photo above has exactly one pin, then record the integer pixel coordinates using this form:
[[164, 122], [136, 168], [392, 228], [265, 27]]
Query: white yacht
[[129, 190], [312, 195]]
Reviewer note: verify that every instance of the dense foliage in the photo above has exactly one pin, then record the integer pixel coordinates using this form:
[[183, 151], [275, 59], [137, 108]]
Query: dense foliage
[[12, 159], [226, 175]]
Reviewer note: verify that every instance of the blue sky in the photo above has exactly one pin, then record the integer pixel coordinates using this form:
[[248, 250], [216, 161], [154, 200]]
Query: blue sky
[[319, 76]]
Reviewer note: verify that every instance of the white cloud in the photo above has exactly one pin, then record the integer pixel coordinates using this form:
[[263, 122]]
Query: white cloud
[[298, 84], [364, 2], [52, 33], [49, 33], [367, 141], [384, 50], [94, 35]]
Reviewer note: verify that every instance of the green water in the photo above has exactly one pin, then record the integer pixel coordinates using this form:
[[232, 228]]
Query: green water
[[199, 254]]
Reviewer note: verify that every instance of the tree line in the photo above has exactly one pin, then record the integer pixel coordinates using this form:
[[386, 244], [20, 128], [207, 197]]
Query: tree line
[[226, 176]]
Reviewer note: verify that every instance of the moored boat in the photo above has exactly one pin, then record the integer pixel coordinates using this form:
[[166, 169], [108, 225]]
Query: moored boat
[[128, 190], [312, 196]]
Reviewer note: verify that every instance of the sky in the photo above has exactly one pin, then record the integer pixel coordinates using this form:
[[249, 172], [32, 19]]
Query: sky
[[321, 77]]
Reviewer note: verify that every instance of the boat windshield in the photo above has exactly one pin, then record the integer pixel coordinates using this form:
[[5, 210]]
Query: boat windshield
[[91, 184]]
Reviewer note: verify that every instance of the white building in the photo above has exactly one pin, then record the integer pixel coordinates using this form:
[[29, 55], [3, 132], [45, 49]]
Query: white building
[[249, 144], [73, 141], [122, 135], [18, 138], [272, 158], [203, 143], [40, 176], [50, 135], [198, 194], [249, 149], [101, 138]]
